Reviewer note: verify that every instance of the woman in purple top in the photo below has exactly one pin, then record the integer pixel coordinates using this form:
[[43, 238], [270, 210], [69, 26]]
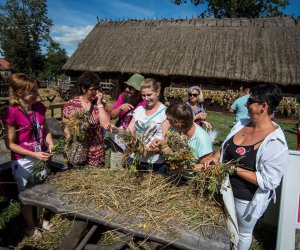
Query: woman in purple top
[[26, 136]]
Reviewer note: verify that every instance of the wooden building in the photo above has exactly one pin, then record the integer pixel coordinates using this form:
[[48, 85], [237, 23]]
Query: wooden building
[[223, 53]]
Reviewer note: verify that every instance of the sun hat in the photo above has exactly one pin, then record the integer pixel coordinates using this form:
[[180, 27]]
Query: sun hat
[[135, 81]]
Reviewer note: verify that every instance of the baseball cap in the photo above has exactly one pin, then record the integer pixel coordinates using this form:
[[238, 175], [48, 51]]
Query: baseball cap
[[135, 81]]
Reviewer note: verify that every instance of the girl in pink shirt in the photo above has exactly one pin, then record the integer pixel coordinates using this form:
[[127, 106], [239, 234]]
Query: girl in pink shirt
[[26, 134]]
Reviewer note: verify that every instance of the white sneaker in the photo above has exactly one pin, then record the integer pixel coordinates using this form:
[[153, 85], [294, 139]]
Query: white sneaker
[[48, 226]]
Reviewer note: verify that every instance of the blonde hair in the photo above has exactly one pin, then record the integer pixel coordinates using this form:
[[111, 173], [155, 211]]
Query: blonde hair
[[151, 83], [19, 85], [200, 97]]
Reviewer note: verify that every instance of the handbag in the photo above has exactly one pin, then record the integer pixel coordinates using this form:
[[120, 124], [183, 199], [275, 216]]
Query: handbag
[[77, 151]]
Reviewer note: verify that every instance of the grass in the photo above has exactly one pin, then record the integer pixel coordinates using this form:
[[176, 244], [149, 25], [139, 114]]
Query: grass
[[223, 124]]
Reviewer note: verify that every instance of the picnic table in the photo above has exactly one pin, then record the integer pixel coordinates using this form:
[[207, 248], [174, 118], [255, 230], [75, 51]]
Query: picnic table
[[206, 237]]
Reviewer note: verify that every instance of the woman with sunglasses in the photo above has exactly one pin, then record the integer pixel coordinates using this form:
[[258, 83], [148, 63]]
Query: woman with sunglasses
[[259, 150], [196, 101], [90, 101]]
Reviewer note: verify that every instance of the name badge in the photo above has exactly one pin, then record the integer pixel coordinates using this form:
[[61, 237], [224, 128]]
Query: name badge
[[37, 148]]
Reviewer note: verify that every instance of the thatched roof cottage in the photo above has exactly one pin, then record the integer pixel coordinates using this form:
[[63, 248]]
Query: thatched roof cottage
[[213, 50]]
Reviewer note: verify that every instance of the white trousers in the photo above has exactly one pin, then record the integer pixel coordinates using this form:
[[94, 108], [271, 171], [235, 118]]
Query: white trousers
[[22, 171], [246, 225]]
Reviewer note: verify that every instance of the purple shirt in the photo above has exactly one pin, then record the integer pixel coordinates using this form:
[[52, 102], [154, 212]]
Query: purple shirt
[[125, 117], [25, 138]]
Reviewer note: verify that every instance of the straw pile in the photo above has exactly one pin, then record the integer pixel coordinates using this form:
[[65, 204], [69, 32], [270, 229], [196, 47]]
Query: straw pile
[[50, 239], [146, 201]]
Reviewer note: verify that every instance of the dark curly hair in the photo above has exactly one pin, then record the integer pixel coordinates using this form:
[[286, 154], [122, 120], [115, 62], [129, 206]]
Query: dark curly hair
[[87, 80], [269, 93]]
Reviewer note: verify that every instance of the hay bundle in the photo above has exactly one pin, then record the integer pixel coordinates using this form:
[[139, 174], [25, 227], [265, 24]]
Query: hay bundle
[[77, 125], [177, 153], [135, 146], [146, 201], [76, 147], [209, 180]]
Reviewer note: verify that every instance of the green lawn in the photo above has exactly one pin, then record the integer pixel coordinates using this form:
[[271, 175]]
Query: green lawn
[[223, 123]]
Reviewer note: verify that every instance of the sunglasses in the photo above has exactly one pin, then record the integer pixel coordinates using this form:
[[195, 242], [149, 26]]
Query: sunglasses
[[252, 100], [194, 95], [95, 89]]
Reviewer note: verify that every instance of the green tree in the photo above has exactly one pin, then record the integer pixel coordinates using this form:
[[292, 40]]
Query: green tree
[[239, 8], [24, 31], [55, 58]]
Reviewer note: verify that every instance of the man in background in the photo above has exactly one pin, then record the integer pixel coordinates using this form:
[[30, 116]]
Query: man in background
[[239, 107], [123, 109]]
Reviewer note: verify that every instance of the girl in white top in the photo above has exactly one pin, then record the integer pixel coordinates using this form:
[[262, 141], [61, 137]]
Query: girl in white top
[[151, 121]]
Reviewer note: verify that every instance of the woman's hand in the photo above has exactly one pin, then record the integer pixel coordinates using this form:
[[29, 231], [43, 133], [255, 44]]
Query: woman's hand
[[155, 143], [207, 125], [42, 156], [210, 160], [197, 167], [152, 149], [50, 148], [201, 116], [126, 107], [112, 128], [99, 97], [166, 150]]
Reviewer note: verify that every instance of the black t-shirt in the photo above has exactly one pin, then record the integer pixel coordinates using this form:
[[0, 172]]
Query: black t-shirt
[[246, 158]]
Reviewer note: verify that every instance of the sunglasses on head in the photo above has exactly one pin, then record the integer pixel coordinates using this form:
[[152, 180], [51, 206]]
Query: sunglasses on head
[[253, 100], [194, 95]]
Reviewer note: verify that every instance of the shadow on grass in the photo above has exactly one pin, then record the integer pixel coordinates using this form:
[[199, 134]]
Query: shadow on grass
[[13, 232], [264, 237]]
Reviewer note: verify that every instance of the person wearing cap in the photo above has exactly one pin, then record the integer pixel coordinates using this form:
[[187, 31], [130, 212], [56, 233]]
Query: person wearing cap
[[123, 109]]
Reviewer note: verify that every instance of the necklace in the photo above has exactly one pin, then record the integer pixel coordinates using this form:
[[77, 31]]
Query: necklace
[[245, 133]]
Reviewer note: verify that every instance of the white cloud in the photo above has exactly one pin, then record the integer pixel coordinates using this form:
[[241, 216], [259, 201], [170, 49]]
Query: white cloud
[[66, 35]]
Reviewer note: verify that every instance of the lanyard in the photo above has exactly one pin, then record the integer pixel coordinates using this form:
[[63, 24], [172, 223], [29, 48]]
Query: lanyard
[[33, 124]]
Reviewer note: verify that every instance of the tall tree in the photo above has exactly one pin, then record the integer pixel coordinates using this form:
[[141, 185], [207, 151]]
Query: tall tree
[[55, 58], [24, 31], [239, 8]]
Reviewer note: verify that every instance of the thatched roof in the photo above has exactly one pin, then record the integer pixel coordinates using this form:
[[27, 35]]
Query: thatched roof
[[255, 50]]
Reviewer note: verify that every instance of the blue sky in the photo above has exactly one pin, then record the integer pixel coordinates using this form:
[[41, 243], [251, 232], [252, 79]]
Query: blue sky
[[74, 19]]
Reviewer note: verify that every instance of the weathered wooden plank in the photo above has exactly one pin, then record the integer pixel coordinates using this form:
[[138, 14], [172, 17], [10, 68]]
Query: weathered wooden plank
[[207, 237], [74, 235]]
